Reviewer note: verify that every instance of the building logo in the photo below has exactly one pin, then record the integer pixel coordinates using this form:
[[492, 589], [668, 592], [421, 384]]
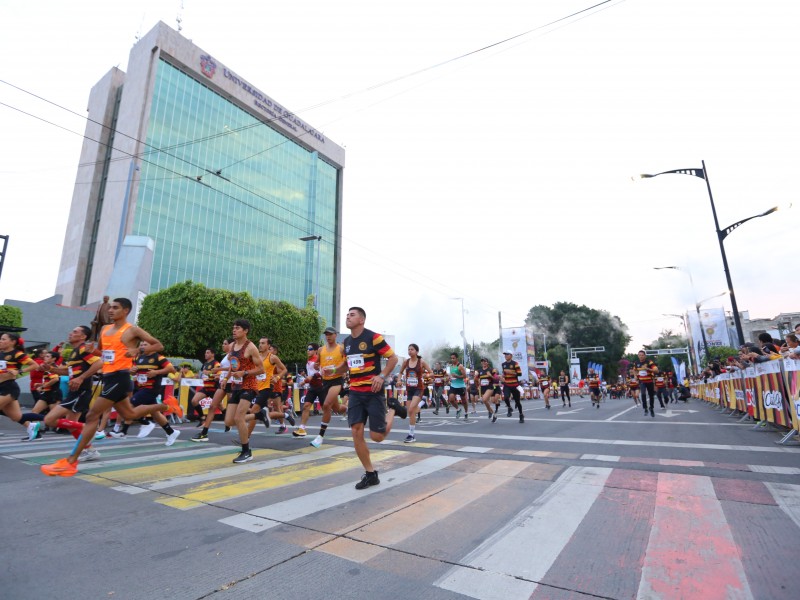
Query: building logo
[[207, 66]]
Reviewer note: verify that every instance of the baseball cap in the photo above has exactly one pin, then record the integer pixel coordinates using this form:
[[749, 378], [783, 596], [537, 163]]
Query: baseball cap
[[508, 352], [330, 330]]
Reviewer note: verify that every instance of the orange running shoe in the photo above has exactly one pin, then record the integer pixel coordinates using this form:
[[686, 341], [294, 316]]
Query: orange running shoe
[[61, 468]]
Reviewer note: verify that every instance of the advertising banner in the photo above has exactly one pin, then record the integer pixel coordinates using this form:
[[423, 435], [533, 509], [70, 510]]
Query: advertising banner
[[513, 339], [715, 327], [530, 344]]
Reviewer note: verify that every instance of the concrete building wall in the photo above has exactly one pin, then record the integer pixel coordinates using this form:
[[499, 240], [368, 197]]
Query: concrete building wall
[[49, 321]]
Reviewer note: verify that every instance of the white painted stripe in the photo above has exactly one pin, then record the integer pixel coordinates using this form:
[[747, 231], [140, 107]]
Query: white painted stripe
[[621, 413], [266, 517], [671, 462], [609, 442], [474, 449], [605, 457], [775, 470], [228, 471], [95, 445], [132, 460], [510, 562], [787, 496], [689, 524]]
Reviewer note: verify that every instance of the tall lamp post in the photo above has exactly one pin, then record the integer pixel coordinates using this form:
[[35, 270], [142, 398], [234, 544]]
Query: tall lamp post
[[686, 329], [318, 239], [702, 173], [463, 328]]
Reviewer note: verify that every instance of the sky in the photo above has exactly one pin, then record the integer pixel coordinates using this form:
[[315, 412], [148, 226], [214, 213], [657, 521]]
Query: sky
[[503, 178]]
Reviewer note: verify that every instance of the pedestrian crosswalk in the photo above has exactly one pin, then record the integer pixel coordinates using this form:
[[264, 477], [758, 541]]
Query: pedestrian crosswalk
[[489, 522]]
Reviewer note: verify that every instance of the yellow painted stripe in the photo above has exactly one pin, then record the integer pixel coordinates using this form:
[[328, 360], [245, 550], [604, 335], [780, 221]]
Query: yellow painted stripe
[[159, 472], [279, 477]]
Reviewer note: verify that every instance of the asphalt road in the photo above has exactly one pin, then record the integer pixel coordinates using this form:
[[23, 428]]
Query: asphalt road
[[573, 503]]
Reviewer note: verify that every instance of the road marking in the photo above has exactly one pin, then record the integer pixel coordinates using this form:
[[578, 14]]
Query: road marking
[[231, 471], [621, 413], [97, 446], [688, 536], [605, 457], [475, 449], [508, 564], [135, 460], [266, 517], [775, 470], [787, 496]]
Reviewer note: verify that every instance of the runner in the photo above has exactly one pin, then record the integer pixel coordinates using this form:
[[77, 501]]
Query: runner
[[364, 350], [645, 369], [497, 393], [563, 384], [511, 376], [49, 386], [456, 374], [660, 380], [331, 357], [118, 342], [224, 388], [544, 384], [473, 392], [269, 389], [439, 377], [593, 380], [633, 386], [487, 376], [208, 373], [315, 391], [13, 362], [148, 371], [245, 366], [414, 371]]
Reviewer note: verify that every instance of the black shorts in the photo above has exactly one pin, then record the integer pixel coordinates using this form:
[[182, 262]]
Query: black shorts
[[413, 392], [10, 388], [241, 396], [36, 395], [486, 388], [509, 391], [473, 389], [317, 393], [344, 392], [498, 390], [263, 397], [462, 392], [330, 383], [53, 395], [78, 401], [116, 386], [594, 391], [209, 392], [367, 406], [145, 396]]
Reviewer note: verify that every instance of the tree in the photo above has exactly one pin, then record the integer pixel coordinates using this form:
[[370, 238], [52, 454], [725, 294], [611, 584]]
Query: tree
[[580, 326], [10, 316], [667, 339], [720, 353], [189, 317]]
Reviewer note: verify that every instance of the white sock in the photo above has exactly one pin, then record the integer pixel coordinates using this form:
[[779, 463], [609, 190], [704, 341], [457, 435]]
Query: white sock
[[411, 430]]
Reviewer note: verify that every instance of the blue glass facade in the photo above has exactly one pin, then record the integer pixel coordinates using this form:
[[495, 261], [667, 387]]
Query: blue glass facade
[[238, 230]]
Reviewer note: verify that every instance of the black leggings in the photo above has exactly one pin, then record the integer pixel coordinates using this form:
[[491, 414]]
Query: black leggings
[[564, 390], [646, 389]]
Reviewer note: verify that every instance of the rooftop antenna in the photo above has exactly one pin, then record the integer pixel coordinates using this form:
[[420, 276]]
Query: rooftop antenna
[[179, 18]]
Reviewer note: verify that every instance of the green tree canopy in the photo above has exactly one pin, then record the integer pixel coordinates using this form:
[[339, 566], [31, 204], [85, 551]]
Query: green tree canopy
[[580, 326], [668, 339], [189, 317], [10, 316]]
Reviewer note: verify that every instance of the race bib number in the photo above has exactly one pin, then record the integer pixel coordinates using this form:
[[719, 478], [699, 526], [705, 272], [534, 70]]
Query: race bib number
[[643, 373], [206, 402], [262, 377], [69, 371], [412, 381], [3, 365], [236, 380], [223, 375], [108, 356], [355, 361], [141, 379], [438, 380], [484, 382]]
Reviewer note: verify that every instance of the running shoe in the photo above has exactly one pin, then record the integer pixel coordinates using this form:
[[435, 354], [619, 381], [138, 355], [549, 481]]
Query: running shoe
[[548, 407], [100, 435], [146, 430], [458, 413], [117, 435], [317, 441], [243, 458], [88, 454], [399, 409], [288, 416], [282, 429], [510, 412], [436, 412], [447, 410], [410, 439], [61, 468], [264, 416], [172, 437], [227, 428], [28, 439], [367, 480], [33, 430], [489, 415], [652, 414], [200, 437], [299, 432], [494, 418], [598, 405], [521, 418]]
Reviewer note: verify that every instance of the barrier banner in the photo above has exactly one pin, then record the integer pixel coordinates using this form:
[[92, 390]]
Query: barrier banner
[[770, 394], [737, 382], [750, 392], [729, 389]]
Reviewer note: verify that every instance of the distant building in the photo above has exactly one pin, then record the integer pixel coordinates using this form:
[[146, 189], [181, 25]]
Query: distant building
[[222, 178]]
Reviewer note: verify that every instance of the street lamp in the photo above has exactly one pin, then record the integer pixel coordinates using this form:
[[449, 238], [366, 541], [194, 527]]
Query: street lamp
[[686, 329], [318, 239], [702, 173], [463, 328], [696, 305], [700, 322]]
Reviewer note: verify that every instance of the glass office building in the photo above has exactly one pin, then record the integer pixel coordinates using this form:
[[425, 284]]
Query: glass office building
[[221, 177]]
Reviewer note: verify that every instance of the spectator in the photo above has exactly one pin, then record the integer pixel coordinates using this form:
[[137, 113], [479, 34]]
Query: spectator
[[791, 349], [766, 344]]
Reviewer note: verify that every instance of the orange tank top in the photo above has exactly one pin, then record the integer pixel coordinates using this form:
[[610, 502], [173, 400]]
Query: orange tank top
[[114, 352]]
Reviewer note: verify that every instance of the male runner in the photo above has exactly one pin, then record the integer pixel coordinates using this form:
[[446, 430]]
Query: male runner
[[364, 350], [633, 386], [119, 344], [593, 380], [660, 380], [331, 357], [511, 374], [544, 384], [13, 361], [210, 385], [645, 369], [414, 377], [315, 391], [456, 374], [268, 400], [245, 366], [439, 377], [222, 372]]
